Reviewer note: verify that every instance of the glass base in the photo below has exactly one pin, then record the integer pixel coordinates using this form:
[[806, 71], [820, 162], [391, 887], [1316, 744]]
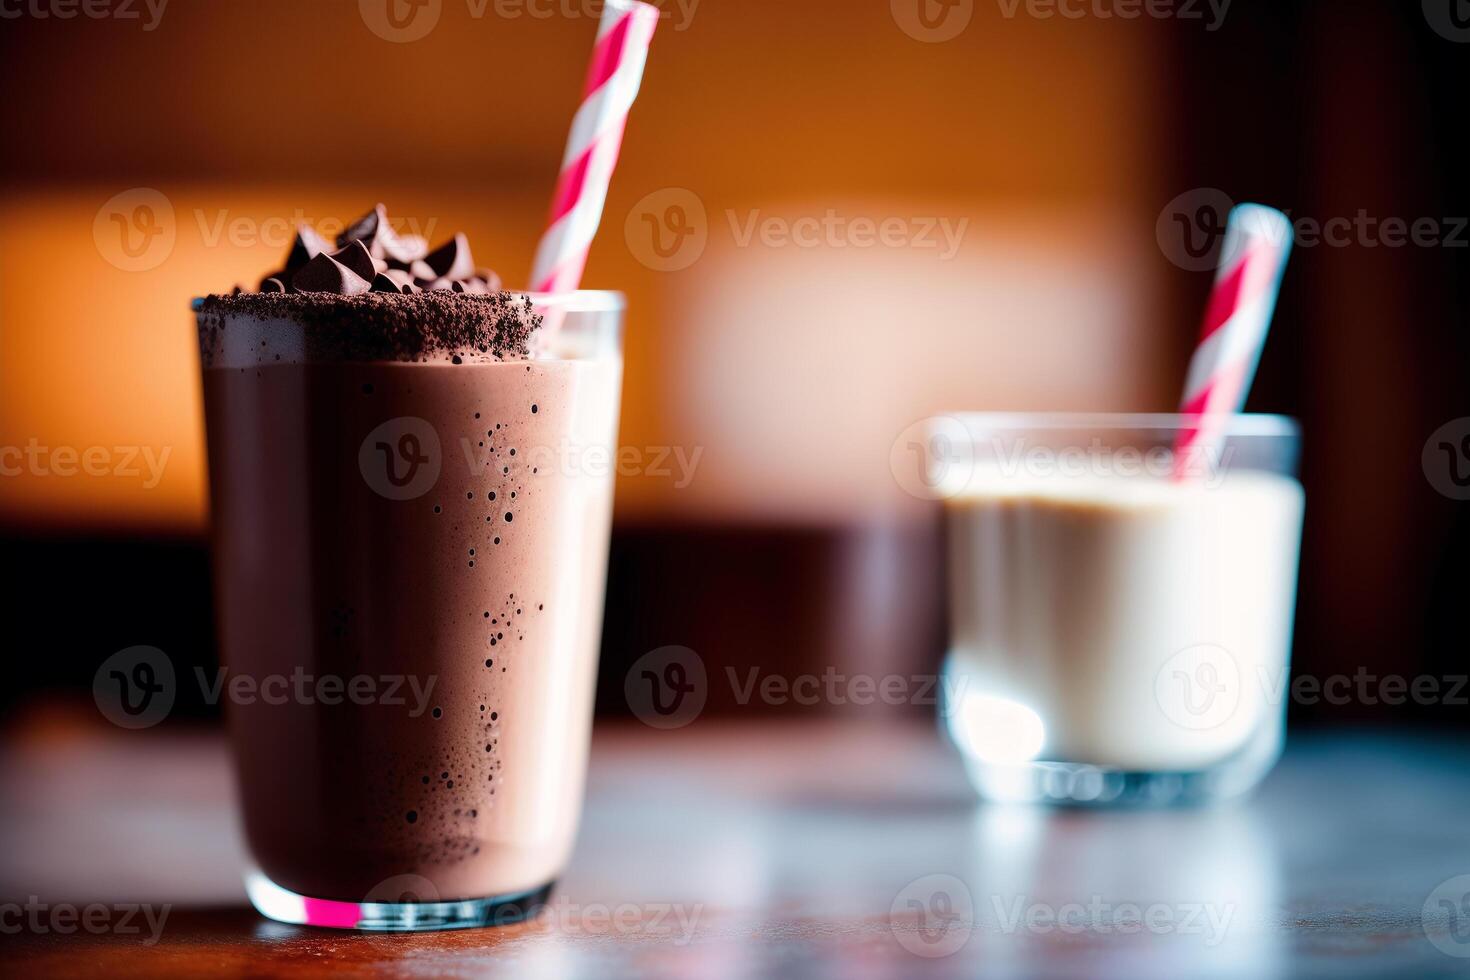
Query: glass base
[[1082, 785], [275, 902]]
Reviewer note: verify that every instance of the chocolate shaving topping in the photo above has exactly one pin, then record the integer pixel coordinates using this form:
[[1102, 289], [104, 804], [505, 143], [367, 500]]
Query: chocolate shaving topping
[[369, 247], [381, 241], [307, 246], [383, 284], [371, 229], [355, 256], [325, 274], [382, 295], [396, 281], [452, 259], [409, 248]]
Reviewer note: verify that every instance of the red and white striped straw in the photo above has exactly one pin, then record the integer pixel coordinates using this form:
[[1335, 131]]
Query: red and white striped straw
[[613, 77], [1257, 241]]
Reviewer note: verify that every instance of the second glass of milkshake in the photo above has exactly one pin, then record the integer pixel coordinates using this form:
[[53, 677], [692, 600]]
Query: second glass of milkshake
[[410, 529], [1120, 630]]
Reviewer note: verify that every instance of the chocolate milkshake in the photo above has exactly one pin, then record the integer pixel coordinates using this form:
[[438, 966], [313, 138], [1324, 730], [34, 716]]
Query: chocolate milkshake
[[402, 532]]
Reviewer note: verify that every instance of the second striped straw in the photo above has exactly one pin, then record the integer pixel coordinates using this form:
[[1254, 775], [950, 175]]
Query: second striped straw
[[1237, 317]]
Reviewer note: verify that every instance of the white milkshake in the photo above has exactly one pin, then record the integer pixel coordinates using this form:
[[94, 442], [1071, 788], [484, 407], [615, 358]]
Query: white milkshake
[[1128, 622]]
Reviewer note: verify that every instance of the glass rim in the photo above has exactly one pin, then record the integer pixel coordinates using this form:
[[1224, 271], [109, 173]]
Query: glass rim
[[1240, 424], [578, 300], [570, 300]]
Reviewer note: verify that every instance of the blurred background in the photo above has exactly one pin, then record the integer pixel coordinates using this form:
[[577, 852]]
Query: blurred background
[[1043, 178]]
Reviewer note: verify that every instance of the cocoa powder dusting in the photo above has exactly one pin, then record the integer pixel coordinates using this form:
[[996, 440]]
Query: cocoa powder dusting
[[385, 326]]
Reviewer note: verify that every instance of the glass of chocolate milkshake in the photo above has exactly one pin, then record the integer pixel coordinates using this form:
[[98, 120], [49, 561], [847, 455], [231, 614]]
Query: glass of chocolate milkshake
[[1120, 625], [410, 518]]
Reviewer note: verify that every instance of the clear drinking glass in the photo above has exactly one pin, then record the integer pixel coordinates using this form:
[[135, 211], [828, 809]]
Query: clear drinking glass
[[1119, 633], [410, 561]]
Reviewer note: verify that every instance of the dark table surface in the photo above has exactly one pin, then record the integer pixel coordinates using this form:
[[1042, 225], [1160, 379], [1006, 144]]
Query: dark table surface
[[798, 848]]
